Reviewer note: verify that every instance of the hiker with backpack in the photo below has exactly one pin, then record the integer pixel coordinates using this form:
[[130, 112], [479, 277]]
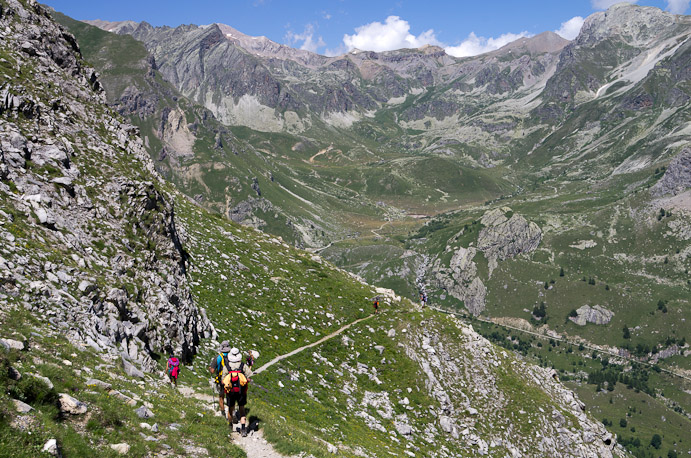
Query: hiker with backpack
[[375, 304], [232, 377], [236, 385], [216, 367], [173, 369], [252, 356]]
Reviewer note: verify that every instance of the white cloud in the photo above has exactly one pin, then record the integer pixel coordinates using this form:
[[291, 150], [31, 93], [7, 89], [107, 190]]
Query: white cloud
[[570, 28], [307, 38], [604, 4], [474, 45], [394, 33], [678, 6]]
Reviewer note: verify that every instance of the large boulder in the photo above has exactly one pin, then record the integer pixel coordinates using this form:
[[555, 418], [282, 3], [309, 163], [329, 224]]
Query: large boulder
[[22, 407], [122, 449], [12, 344], [70, 405], [51, 448], [596, 315]]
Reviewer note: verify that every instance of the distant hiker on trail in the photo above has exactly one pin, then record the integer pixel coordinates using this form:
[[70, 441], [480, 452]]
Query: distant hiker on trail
[[375, 304], [423, 299], [236, 390], [173, 369], [252, 356]]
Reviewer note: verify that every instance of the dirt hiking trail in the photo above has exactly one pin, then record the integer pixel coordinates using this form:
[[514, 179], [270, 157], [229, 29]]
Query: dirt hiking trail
[[313, 344]]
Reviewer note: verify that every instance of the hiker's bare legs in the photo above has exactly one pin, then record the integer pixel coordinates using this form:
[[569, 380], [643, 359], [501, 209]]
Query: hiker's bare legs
[[220, 403], [243, 418]]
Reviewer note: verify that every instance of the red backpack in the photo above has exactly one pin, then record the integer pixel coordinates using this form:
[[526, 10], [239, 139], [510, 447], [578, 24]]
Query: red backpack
[[235, 380]]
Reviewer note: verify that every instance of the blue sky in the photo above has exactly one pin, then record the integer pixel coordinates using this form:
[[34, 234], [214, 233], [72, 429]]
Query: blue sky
[[462, 27]]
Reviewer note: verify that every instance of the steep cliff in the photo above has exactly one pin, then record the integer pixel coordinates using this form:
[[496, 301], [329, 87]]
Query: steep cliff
[[90, 240]]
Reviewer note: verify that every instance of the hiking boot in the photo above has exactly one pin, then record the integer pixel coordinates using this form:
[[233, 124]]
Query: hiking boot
[[244, 431]]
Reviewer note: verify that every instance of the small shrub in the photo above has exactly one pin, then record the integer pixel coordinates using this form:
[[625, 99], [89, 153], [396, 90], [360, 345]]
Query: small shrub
[[32, 391], [656, 441]]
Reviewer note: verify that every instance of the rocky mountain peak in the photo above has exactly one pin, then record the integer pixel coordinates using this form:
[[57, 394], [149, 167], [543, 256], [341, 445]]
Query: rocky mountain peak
[[635, 25], [119, 27], [546, 42], [264, 47]]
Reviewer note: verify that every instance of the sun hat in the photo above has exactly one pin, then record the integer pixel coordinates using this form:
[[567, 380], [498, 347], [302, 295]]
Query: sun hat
[[234, 356], [254, 353], [225, 346]]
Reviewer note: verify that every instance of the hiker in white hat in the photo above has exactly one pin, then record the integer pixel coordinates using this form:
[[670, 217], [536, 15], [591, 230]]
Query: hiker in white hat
[[239, 378]]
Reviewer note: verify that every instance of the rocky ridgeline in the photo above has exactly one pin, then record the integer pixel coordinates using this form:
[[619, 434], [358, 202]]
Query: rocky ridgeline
[[292, 89], [504, 235], [480, 408], [89, 240]]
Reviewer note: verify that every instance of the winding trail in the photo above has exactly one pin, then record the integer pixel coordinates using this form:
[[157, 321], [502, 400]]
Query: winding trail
[[324, 151], [313, 344]]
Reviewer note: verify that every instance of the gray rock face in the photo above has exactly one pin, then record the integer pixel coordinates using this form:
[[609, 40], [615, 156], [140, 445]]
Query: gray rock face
[[677, 177], [506, 235], [124, 398], [465, 373], [95, 382], [51, 448], [131, 370], [144, 412], [43, 379], [22, 407], [146, 306], [243, 211], [595, 315], [503, 236], [13, 344]]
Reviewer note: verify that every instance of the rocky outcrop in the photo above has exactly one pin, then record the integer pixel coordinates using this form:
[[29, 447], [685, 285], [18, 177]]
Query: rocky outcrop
[[243, 212], [506, 234], [677, 177], [595, 315], [461, 377], [118, 284], [503, 236], [460, 279]]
